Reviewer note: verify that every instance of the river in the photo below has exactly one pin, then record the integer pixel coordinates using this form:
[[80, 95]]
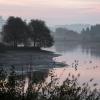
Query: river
[[83, 59]]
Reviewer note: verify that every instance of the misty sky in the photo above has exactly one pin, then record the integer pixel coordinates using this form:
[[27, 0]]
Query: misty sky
[[54, 12]]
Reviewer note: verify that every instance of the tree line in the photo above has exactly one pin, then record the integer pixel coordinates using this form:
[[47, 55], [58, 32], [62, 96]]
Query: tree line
[[35, 33], [91, 34]]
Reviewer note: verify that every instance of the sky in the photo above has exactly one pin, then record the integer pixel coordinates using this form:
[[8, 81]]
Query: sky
[[54, 12]]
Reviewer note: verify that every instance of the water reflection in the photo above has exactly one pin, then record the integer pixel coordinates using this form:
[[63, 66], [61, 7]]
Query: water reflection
[[92, 49], [86, 54], [83, 58], [66, 46], [37, 59], [85, 75]]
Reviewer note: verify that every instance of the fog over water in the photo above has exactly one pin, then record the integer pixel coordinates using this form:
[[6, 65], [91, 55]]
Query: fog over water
[[83, 59], [80, 58]]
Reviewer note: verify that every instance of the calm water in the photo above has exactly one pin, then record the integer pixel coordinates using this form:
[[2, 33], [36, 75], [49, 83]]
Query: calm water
[[86, 56], [80, 58]]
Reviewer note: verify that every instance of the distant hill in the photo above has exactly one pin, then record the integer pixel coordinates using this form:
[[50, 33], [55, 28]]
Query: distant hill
[[74, 27], [63, 34]]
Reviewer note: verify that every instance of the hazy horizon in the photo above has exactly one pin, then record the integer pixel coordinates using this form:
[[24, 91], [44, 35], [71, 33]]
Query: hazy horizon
[[54, 12]]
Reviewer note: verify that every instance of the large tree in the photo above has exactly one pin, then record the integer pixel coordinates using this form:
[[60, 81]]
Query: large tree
[[15, 31], [40, 34]]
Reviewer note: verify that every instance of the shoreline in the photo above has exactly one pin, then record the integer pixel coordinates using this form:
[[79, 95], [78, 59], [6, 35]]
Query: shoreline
[[38, 60]]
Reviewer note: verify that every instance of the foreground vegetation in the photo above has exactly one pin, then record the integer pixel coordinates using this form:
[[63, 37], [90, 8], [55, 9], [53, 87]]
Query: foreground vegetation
[[12, 87]]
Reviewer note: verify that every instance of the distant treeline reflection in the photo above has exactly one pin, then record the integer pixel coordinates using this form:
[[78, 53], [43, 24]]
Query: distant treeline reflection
[[92, 48]]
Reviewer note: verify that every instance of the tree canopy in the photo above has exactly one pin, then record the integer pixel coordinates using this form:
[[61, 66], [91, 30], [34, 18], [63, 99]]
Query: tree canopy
[[40, 34], [16, 31], [91, 34]]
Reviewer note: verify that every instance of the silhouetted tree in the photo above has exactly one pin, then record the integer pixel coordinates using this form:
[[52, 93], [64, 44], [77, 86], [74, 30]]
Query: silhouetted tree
[[15, 31], [86, 34], [40, 34]]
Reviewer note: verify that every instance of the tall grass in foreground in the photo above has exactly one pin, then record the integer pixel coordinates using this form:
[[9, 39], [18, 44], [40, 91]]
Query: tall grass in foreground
[[11, 88]]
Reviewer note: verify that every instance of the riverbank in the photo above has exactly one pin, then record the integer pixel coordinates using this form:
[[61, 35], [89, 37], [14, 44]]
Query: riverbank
[[38, 59]]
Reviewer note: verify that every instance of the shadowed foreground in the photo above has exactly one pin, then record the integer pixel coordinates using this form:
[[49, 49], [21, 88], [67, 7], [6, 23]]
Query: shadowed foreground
[[38, 59], [13, 88]]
